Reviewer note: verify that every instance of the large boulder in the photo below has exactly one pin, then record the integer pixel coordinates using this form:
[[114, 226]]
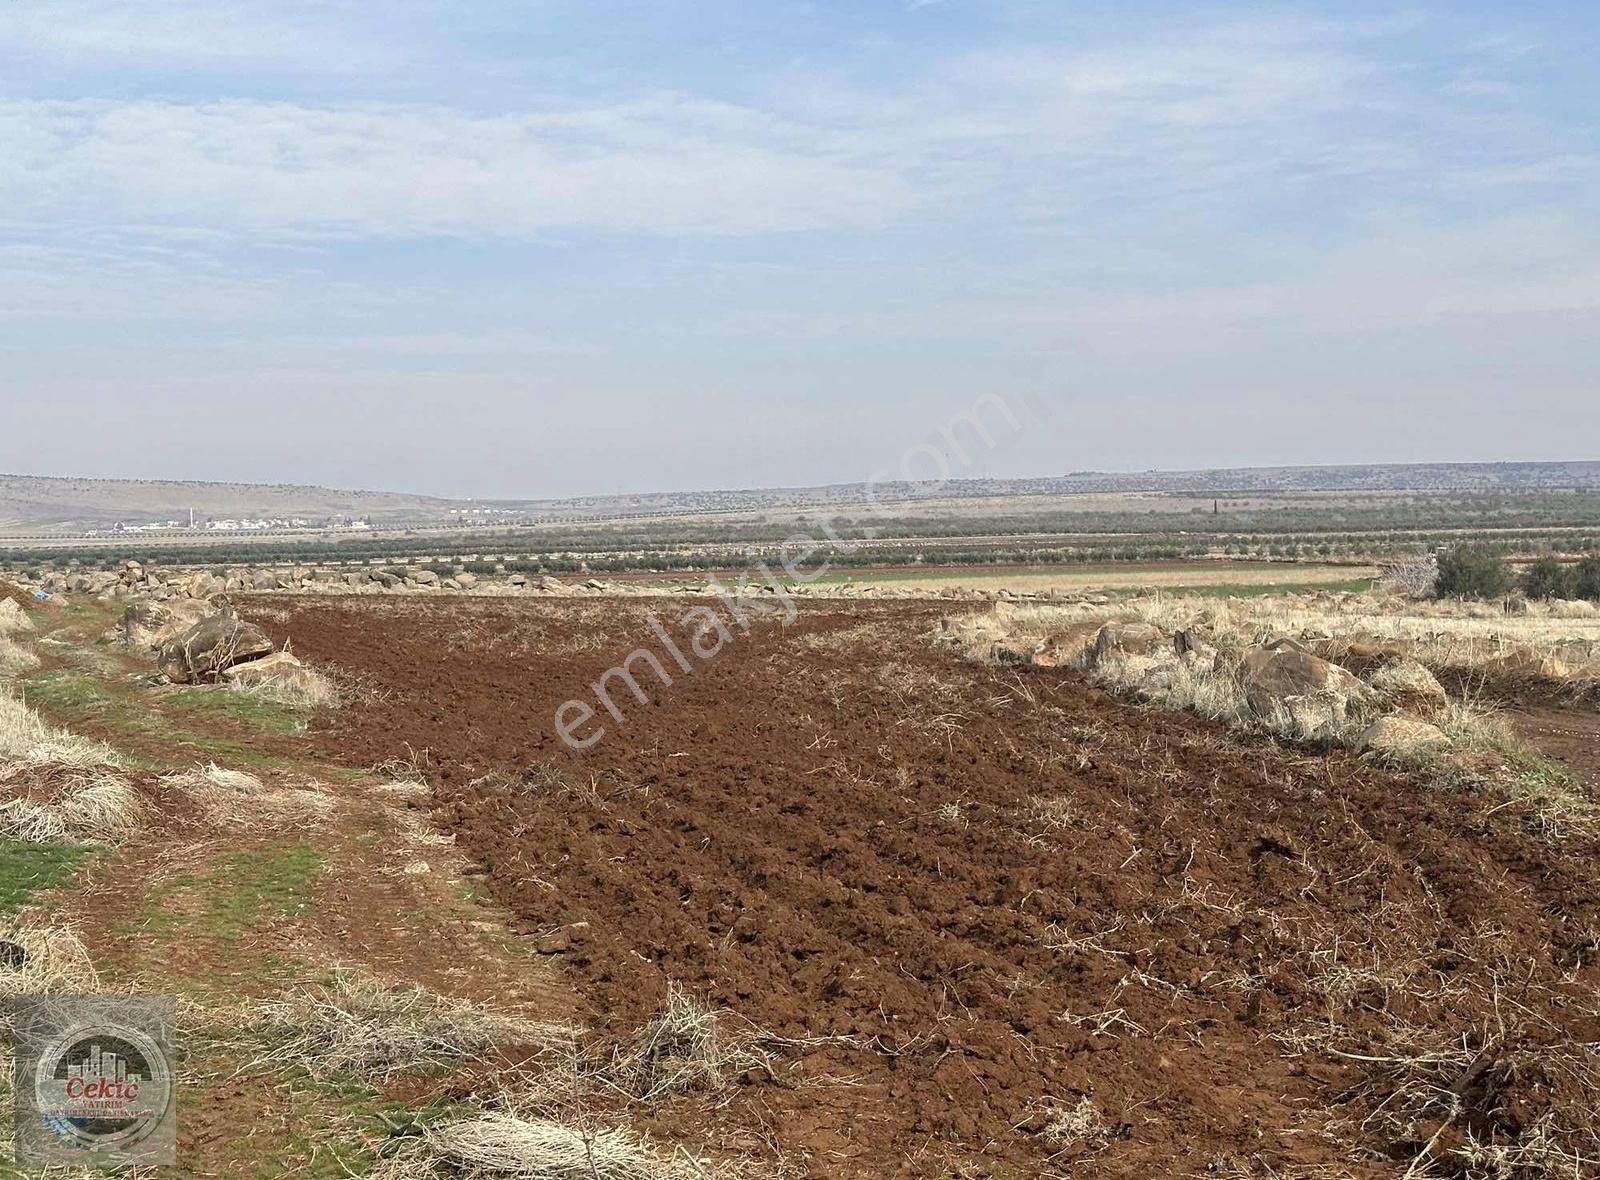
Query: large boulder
[[211, 647], [150, 625], [1407, 685], [1125, 639], [1273, 677], [202, 585], [1402, 735], [281, 669], [1068, 647]]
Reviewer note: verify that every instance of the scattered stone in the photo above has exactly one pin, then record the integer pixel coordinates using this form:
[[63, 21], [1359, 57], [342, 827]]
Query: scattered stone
[[1126, 639], [279, 668], [1407, 685], [1402, 735], [1067, 647], [1272, 676]]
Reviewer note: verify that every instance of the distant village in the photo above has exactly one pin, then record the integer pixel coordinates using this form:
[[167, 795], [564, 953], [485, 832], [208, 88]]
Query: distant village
[[236, 525]]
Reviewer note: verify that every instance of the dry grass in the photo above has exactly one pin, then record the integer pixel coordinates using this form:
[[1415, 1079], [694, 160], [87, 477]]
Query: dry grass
[[25, 738], [1563, 637], [15, 660], [1483, 752], [359, 1027], [503, 1147], [305, 690], [13, 619], [56, 961], [681, 1051]]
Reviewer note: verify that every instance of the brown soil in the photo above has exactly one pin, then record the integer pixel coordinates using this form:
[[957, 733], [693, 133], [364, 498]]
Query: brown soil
[[1011, 891]]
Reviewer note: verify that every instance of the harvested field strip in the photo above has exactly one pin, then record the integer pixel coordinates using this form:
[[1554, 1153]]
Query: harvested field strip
[[1015, 900]]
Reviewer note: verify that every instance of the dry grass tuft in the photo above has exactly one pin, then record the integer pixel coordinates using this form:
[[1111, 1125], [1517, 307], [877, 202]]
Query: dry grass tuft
[[102, 809], [357, 1026], [680, 1051], [66, 805], [14, 658], [56, 961], [1075, 1125], [13, 619], [503, 1147], [305, 691], [25, 738], [23, 819]]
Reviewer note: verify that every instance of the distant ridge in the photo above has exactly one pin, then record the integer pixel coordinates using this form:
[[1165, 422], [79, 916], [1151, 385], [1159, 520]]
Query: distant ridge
[[49, 504]]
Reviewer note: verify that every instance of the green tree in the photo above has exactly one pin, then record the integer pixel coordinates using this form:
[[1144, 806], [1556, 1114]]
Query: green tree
[[1549, 578], [1586, 579], [1473, 571]]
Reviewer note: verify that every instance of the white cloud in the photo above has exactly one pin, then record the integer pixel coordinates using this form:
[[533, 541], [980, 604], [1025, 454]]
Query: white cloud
[[158, 34], [664, 163]]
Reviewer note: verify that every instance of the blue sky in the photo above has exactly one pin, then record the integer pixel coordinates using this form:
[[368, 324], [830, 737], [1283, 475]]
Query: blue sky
[[553, 248]]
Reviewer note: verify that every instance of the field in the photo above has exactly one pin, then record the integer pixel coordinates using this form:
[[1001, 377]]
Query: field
[[843, 899], [1173, 576], [1005, 923]]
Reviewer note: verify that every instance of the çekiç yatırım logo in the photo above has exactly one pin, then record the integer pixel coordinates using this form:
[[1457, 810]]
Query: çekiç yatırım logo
[[95, 1079]]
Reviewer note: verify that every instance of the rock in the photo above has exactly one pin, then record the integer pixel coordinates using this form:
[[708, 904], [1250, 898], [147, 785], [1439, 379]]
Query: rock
[[1066, 648], [451, 584], [547, 583], [278, 668], [264, 580], [466, 581], [1399, 734], [1125, 639], [519, 579], [204, 586], [557, 943], [212, 646], [1406, 684], [150, 625], [426, 578], [1273, 676]]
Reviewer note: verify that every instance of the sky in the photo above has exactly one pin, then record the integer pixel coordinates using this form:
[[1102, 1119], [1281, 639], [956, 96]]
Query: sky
[[561, 247]]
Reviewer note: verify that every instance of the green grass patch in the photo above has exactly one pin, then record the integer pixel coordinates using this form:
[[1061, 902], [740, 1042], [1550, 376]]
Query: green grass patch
[[27, 868], [208, 701], [66, 694], [238, 892]]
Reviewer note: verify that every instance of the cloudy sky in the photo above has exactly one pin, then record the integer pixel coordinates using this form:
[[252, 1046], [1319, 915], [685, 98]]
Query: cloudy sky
[[563, 246]]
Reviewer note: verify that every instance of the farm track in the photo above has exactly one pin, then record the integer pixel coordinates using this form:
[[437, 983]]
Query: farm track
[[1003, 896]]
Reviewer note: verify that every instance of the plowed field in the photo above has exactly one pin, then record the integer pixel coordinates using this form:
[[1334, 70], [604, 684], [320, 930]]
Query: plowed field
[[1044, 931]]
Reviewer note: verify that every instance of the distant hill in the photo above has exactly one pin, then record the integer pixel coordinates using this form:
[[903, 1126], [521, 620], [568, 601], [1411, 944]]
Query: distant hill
[[30, 504], [41, 503]]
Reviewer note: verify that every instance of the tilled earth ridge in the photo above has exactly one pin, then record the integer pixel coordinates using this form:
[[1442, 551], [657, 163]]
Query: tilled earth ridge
[[1061, 933]]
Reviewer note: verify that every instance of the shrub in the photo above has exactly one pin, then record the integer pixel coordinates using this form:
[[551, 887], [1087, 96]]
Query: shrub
[[1549, 578], [1473, 571], [1586, 579]]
